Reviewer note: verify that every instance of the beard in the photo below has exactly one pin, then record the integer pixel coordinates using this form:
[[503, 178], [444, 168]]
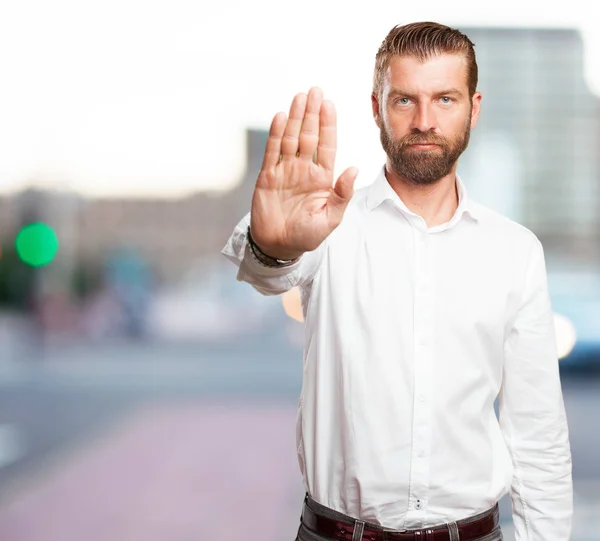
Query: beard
[[424, 167]]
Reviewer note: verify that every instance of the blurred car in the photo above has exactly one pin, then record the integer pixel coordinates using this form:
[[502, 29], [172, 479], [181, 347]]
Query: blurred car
[[210, 305], [575, 297]]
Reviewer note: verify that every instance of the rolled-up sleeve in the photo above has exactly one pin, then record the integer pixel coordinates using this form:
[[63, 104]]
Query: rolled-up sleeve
[[266, 280], [532, 415]]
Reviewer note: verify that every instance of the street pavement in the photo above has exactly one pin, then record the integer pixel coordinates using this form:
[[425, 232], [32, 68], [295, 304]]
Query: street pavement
[[176, 442]]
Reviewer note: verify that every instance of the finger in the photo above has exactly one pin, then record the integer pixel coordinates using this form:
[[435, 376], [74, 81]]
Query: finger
[[344, 186], [289, 142], [341, 195], [273, 147], [327, 136], [309, 133]]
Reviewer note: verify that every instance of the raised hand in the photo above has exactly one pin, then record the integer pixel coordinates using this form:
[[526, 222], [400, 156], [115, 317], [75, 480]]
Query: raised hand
[[296, 205]]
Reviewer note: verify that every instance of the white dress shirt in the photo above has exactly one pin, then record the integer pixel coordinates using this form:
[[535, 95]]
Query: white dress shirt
[[410, 335]]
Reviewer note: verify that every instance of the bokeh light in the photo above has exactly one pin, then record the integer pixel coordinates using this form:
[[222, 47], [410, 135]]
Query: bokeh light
[[292, 304], [566, 336], [37, 244]]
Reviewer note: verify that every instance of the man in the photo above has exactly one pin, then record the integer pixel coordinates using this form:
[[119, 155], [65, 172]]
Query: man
[[421, 307]]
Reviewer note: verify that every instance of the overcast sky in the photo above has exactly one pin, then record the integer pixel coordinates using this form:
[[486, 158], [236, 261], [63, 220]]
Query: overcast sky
[[132, 97]]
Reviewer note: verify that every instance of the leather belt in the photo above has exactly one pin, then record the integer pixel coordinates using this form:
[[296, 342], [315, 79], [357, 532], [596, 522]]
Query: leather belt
[[344, 530]]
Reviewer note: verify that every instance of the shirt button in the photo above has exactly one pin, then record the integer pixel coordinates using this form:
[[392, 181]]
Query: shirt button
[[421, 454], [418, 505], [422, 398]]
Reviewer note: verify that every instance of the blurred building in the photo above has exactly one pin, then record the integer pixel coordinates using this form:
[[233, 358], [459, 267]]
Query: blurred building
[[171, 233], [535, 154]]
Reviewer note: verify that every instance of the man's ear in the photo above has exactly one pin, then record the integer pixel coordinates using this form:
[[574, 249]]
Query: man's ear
[[475, 109], [376, 110]]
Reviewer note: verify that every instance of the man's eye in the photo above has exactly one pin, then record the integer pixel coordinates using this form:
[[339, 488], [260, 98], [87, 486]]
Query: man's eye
[[446, 99], [403, 101]]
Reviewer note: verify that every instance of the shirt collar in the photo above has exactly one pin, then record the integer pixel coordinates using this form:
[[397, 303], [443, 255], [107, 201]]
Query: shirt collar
[[380, 191]]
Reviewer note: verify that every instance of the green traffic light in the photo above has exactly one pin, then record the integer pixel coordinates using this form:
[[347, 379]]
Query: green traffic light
[[37, 244]]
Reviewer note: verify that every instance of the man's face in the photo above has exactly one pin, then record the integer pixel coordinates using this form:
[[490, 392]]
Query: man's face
[[425, 115]]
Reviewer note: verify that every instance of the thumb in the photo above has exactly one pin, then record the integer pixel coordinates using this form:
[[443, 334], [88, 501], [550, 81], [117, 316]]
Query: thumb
[[344, 186]]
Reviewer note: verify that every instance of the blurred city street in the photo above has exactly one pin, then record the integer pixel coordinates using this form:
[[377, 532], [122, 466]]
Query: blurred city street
[[177, 442]]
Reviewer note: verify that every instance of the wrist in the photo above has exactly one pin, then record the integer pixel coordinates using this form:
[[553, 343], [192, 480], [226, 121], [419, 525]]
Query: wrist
[[266, 259]]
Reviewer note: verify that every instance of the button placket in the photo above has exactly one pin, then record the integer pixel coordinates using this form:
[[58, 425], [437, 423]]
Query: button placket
[[423, 317]]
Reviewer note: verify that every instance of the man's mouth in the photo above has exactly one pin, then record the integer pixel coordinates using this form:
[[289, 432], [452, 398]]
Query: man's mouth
[[424, 146]]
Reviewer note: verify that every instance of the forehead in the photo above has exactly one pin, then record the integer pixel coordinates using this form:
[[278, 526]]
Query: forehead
[[436, 73]]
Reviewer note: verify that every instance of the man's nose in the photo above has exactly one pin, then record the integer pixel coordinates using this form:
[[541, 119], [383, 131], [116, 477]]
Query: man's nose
[[423, 119]]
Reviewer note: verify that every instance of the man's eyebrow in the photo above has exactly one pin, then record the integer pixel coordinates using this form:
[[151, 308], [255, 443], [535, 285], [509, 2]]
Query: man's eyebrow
[[450, 91], [397, 92]]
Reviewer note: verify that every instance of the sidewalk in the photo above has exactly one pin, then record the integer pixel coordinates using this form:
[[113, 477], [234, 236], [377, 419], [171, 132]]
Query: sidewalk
[[186, 472]]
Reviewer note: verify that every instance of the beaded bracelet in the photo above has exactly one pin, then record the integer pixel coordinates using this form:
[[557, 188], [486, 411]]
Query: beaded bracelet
[[264, 259]]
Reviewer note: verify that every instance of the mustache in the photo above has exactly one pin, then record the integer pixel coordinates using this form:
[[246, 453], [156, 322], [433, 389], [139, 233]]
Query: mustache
[[419, 139]]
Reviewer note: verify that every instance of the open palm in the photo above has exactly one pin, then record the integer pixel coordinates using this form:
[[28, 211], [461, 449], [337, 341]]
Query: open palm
[[296, 205]]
